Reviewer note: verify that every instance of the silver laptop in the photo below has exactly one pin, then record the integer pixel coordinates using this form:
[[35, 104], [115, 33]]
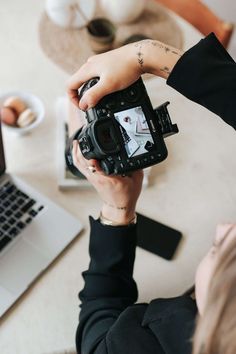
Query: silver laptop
[[33, 232]]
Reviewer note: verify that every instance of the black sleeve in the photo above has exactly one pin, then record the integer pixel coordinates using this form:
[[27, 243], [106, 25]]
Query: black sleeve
[[206, 74], [109, 285]]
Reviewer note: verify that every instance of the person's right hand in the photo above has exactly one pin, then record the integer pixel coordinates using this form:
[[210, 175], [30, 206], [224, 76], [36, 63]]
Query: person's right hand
[[117, 69], [118, 194]]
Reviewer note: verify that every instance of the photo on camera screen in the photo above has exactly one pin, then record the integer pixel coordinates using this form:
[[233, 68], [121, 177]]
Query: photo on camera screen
[[135, 131]]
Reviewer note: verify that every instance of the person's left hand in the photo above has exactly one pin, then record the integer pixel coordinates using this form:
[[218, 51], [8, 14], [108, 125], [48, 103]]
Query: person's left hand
[[119, 194]]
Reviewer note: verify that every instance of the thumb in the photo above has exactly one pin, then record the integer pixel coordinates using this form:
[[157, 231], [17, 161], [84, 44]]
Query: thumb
[[93, 95]]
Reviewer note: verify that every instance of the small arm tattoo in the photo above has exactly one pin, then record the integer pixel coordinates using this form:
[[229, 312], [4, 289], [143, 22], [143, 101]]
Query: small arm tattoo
[[115, 207], [166, 48], [138, 45]]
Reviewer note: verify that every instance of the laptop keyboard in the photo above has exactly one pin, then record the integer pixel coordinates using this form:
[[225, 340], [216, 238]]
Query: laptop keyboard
[[17, 210]]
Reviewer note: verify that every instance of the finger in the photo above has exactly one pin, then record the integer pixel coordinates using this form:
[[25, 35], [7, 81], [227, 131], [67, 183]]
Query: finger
[[77, 156], [77, 80], [223, 229], [87, 167], [96, 165], [95, 94], [80, 163]]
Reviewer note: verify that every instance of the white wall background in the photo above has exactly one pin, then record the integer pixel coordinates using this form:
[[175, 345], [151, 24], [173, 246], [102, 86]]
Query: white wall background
[[225, 9]]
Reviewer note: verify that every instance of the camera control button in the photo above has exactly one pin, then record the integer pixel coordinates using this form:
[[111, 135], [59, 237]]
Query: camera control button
[[101, 112], [131, 95], [111, 105]]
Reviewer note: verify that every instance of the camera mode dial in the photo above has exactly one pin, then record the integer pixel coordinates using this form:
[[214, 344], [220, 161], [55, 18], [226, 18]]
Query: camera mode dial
[[88, 85]]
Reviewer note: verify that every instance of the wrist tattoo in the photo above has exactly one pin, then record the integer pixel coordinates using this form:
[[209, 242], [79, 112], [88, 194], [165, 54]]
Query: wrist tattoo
[[166, 48], [114, 206], [139, 53]]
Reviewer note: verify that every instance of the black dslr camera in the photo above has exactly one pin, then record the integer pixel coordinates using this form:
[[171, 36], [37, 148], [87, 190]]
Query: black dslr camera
[[123, 132]]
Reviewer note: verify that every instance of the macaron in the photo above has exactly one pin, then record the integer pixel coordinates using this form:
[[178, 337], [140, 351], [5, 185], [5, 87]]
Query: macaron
[[16, 103], [26, 118], [8, 116]]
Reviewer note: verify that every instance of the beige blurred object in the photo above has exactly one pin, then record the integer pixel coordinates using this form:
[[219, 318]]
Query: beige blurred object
[[202, 18], [70, 48], [70, 13], [123, 11], [8, 115], [15, 103], [26, 118], [101, 34]]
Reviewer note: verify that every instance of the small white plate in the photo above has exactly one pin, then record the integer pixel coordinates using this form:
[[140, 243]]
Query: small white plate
[[32, 102]]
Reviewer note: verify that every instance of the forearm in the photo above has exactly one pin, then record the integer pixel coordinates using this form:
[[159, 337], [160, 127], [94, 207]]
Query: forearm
[[206, 74], [109, 285]]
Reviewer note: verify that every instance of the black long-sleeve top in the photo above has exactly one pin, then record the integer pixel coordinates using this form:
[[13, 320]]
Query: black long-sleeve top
[[109, 322]]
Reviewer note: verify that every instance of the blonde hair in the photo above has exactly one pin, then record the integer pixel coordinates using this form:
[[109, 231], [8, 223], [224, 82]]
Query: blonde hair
[[216, 329]]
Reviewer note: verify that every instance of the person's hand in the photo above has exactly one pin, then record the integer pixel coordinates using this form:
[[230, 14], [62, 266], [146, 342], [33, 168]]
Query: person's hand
[[119, 68], [116, 69], [119, 194]]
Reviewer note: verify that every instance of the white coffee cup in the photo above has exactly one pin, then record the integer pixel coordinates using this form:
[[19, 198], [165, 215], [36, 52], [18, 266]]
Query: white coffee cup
[[123, 11]]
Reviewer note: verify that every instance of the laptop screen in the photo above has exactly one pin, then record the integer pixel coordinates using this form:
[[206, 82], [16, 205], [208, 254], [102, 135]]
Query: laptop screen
[[2, 159]]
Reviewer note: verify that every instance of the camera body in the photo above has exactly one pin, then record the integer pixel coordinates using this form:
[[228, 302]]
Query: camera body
[[124, 132]]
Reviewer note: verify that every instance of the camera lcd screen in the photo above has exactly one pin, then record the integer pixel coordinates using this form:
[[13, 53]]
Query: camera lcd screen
[[135, 131]]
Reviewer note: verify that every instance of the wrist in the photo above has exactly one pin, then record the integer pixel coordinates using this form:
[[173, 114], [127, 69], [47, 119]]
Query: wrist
[[156, 58], [108, 222], [121, 216]]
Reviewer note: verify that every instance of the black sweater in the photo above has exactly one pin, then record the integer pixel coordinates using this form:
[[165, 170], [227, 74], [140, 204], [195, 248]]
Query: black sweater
[[109, 320]]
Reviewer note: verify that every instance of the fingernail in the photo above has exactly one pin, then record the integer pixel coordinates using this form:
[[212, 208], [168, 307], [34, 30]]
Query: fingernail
[[83, 105]]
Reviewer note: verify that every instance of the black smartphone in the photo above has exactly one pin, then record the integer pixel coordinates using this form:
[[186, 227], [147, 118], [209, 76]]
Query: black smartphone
[[157, 238]]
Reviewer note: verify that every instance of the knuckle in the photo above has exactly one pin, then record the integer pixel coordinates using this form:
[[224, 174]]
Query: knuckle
[[91, 58], [90, 99]]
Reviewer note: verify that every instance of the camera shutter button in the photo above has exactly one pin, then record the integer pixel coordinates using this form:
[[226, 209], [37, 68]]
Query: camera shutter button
[[131, 95]]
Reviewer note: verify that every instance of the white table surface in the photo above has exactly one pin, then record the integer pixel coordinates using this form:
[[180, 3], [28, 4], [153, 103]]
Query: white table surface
[[192, 190]]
